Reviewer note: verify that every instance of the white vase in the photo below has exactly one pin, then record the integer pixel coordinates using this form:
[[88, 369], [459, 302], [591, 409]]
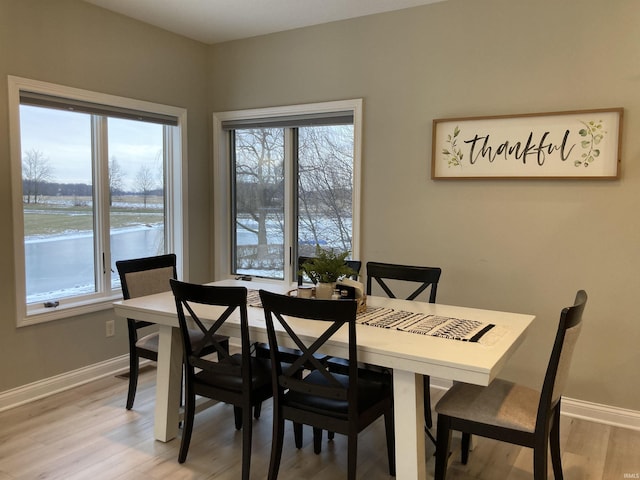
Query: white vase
[[324, 290]]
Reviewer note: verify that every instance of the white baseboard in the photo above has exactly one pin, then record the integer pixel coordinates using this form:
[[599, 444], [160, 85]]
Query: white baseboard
[[59, 383], [618, 417], [593, 412]]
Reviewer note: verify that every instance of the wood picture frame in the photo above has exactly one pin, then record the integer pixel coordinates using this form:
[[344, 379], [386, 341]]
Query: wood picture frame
[[582, 144]]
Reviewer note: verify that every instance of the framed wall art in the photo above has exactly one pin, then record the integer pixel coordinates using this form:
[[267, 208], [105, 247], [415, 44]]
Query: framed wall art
[[578, 144]]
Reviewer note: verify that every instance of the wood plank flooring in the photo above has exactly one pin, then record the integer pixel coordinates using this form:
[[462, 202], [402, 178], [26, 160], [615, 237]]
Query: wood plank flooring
[[86, 434]]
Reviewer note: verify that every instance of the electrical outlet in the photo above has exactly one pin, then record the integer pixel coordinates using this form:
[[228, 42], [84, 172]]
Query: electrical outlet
[[110, 327]]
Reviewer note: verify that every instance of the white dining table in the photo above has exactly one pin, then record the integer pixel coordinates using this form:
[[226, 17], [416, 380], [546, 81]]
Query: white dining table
[[410, 355]]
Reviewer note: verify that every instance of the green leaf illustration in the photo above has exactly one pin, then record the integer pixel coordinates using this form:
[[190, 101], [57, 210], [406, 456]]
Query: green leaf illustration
[[453, 155], [594, 134]]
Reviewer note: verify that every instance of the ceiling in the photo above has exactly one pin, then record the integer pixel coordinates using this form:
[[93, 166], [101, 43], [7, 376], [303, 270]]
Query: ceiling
[[215, 21]]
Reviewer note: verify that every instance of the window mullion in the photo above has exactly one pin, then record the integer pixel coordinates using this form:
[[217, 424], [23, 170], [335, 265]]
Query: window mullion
[[290, 204], [100, 157], [169, 187], [232, 211]]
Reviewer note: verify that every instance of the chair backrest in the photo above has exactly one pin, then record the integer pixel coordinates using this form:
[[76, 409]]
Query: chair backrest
[[558, 369], [280, 310], [355, 265], [426, 276], [146, 276], [188, 297]]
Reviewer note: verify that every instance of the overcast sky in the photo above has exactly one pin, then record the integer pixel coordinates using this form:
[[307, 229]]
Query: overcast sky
[[64, 138]]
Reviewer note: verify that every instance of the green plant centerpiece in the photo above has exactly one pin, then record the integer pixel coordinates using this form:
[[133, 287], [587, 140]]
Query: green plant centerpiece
[[325, 269]]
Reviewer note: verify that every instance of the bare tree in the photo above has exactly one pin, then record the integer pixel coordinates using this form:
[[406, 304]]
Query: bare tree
[[116, 178], [36, 169], [325, 184], [259, 180], [158, 163], [145, 182]]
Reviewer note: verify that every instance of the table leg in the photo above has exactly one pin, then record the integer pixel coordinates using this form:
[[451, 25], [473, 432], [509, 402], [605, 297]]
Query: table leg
[[408, 397], [168, 383]]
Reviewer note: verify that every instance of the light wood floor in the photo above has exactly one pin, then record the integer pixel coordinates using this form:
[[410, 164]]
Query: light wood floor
[[86, 434]]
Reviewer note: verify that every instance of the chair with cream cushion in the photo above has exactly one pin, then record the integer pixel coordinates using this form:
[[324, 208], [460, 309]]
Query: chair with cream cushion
[[511, 412], [140, 277]]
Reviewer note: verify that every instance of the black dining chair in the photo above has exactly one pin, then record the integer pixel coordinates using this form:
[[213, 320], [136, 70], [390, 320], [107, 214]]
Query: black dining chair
[[511, 412], [140, 277], [290, 354], [388, 275], [345, 404], [382, 273], [238, 379], [427, 278], [262, 349]]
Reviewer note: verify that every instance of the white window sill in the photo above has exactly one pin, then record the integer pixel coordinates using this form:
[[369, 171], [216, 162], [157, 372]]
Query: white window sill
[[66, 310]]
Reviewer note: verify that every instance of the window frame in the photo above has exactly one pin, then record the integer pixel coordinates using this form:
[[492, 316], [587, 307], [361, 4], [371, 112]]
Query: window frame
[[175, 198], [222, 178]]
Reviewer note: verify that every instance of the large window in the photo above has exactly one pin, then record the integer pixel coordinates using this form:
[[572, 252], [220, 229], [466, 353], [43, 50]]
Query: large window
[[286, 180], [96, 179]]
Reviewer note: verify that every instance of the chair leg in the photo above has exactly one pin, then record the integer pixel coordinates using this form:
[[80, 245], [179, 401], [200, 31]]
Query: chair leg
[[428, 419], [225, 346], [554, 443], [464, 448], [430, 435], [391, 442], [352, 455], [183, 375], [297, 434], [189, 413], [257, 409], [317, 440], [331, 435], [134, 368], [276, 444], [237, 415], [247, 431], [442, 448], [540, 458]]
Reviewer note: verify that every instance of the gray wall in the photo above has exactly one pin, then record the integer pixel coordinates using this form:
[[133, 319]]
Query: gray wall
[[72, 43], [523, 246], [510, 245]]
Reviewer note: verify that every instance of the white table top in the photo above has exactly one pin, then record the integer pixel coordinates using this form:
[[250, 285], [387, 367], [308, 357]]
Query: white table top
[[438, 357]]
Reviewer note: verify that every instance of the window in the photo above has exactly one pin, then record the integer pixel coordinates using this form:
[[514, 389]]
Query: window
[[286, 180], [96, 179]]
